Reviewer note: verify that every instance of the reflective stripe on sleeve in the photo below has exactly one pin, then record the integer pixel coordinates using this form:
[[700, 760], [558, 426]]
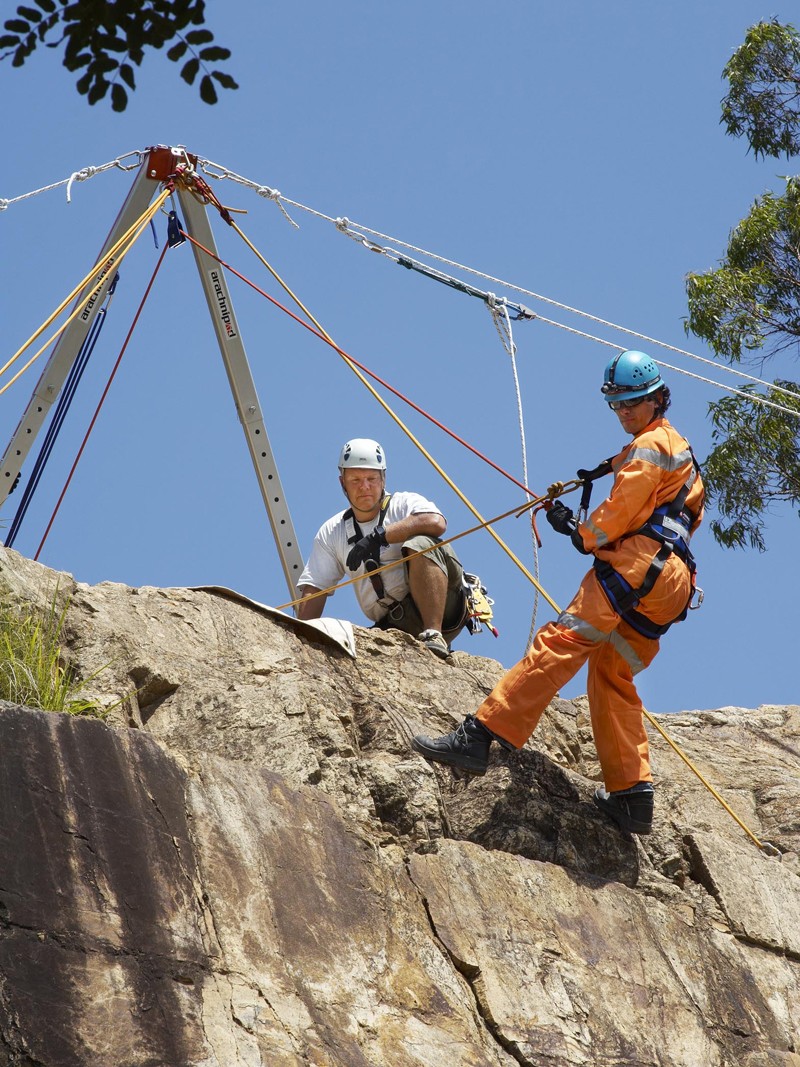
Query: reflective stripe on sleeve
[[659, 459], [600, 536]]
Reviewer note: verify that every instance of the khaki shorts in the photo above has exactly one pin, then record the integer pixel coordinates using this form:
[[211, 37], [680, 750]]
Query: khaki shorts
[[404, 614]]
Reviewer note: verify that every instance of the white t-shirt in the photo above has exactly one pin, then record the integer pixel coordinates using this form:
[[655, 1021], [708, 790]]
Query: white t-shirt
[[327, 562]]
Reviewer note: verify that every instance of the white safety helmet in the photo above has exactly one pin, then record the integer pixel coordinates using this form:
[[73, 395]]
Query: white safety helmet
[[362, 452]]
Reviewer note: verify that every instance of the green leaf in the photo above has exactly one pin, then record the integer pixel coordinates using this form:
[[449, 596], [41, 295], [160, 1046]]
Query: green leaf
[[208, 94], [189, 71], [214, 53], [199, 36], [177, 51], [97, 91], [96, 38], [225, 80], [119, 98], [763, 102], [110, 43]]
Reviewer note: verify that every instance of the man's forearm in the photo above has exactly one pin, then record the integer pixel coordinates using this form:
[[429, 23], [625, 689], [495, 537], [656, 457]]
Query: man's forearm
[[430, 523], [310, 609]]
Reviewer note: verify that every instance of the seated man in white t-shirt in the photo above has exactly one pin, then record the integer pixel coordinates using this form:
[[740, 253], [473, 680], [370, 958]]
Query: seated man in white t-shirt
[[423, 597]]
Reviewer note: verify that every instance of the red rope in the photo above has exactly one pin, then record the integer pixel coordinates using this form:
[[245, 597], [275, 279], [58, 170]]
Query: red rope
[[361, 366], [102, 399]]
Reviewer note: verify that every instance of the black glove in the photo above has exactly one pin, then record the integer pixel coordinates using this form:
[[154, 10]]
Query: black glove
[[577, 541], [368, 547], [563, 521], [561, 518]]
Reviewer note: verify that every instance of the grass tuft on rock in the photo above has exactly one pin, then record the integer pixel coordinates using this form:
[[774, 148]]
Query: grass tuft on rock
[[33, 669]]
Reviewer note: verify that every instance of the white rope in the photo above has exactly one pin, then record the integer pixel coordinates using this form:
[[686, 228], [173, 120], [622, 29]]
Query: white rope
[[498, 309], [345, 226], [77, 176], [215, 170], [275, 196], [566, 307], [753, 397]]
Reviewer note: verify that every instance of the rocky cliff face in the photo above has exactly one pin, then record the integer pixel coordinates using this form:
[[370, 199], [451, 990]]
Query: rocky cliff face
[[246, 866]]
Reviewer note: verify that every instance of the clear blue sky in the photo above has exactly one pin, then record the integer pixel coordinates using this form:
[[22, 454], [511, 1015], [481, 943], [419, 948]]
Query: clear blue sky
[[573, 149]]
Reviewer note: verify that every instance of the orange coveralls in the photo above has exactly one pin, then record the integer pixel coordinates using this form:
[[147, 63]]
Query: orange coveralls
[[649, 472]]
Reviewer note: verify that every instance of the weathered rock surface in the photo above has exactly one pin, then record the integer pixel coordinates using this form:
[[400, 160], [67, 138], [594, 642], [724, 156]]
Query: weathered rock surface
[[246, 866]]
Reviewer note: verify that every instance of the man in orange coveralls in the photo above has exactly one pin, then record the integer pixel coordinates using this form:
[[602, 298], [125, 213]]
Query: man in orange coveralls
[[642, 581]]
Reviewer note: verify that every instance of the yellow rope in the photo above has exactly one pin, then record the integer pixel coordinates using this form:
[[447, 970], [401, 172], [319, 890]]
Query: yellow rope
[[766, 846], [396, 418], [519, 510], [130, 237]]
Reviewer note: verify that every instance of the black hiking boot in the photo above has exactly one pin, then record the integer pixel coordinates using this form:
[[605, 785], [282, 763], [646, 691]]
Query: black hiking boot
[[632, 809], [466, 748]]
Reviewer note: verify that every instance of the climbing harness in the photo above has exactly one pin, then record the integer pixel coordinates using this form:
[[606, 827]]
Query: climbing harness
[[477, 604], [355, 533], [485, 524], [670, 526]]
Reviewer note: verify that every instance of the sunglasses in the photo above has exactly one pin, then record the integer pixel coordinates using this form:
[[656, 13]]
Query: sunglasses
[[615, 405]]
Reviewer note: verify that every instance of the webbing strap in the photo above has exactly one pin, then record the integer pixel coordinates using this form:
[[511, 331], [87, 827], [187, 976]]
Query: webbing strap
[[588, 478], [370, 564]]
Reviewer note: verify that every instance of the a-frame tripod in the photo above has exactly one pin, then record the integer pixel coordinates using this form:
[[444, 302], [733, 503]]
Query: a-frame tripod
[[159, 166]]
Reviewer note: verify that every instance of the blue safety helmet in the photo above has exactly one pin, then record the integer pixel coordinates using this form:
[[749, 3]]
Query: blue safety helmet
[[630, 375]]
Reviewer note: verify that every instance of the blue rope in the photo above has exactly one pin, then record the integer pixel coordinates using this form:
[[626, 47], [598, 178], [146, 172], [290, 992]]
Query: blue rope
[[60, 413]]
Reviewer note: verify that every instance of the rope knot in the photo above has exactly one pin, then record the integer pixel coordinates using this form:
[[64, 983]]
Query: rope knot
[[3, 204], [343, 224], [275, 196]]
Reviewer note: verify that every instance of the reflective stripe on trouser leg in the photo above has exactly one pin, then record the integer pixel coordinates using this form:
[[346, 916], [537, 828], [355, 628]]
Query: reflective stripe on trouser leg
[[560, 649], [591, 629], [616, 710], [619, 653], [513, 708]]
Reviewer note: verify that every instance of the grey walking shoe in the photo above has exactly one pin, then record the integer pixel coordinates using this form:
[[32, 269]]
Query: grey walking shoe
[[632, 809], [433, 640], [466, 748]]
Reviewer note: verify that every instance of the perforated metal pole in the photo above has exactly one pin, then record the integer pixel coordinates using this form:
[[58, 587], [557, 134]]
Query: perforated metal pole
[[68, 345], [159, 164], [242, 386]]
